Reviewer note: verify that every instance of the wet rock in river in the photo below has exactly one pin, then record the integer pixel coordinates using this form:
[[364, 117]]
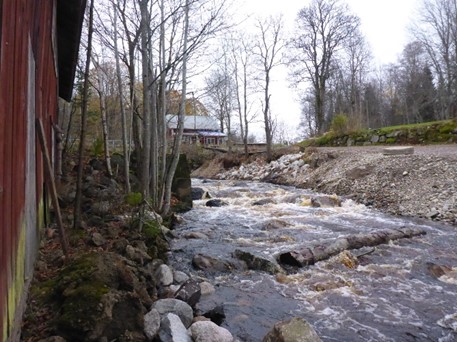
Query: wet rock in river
[[216, 203], [180, 277], [206, 288], [255, 262], [206, 331], [195, 235], [438, 270], [189, 292], [296, 329], [199, 194], [210, 264], [325, 201], [216, 314], [263, 201]]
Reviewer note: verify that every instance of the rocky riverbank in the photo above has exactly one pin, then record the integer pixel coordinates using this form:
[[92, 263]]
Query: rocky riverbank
[[419, 185]]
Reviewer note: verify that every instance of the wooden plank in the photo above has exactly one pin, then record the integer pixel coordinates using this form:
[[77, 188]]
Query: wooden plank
[[3, 254], [51, 185]]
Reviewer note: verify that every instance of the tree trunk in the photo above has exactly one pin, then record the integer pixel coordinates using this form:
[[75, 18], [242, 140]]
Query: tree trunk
[[178, 138], [125, 135], [146, 155], [102, 99], [323, 250], [85, 95]]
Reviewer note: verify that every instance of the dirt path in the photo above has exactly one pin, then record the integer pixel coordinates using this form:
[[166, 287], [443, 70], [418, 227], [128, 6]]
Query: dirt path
[[449, 151]]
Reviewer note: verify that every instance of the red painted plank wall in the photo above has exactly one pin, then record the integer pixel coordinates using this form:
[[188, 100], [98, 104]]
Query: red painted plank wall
[[22, 22]]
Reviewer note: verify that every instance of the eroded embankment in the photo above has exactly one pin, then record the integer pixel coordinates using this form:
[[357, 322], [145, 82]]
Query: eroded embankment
[[420, 185]]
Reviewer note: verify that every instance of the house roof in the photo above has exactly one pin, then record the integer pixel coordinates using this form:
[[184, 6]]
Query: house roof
[[70, 16], [195, 122], [211, 134]]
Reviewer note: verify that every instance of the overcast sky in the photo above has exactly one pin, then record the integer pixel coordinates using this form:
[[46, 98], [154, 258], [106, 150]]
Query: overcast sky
[[384, 24]]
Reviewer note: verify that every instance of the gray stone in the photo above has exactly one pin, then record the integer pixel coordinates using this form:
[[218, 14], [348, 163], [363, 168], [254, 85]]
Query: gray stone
[[189, 292], [98, 240], [173, 330], [151, 324], [164, 275], [199, 194], [263, 201], [325, 201], [178, 307], [215, 203], [294, 330], [210, 264], [374, 139], [195, 235], [206, 331], [180, 277], [255, 262], [206, 288]]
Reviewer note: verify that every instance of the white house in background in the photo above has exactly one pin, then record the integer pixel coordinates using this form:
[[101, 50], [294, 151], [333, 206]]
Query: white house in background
[[198, 129]]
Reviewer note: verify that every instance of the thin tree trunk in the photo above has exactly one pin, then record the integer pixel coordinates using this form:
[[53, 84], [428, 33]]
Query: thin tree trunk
[[85, 95], [146, 155], [266, 115], [102, 99], [163, 106], [125, 135], [178, 138]]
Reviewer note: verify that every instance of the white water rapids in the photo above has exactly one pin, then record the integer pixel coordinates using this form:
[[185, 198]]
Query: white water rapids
[[391, 295]]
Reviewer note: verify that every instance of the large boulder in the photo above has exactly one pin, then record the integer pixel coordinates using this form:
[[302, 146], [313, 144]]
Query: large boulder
[[207, 331], [97, 296], [294, 330]]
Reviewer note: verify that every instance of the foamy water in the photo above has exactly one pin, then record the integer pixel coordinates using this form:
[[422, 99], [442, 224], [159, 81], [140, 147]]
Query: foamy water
[[391, 295]]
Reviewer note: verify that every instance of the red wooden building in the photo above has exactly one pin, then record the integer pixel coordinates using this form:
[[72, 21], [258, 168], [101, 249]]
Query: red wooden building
[[39, 42]]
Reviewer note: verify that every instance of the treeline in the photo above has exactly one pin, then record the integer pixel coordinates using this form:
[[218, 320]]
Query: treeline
[[334, 61], [149, 58]]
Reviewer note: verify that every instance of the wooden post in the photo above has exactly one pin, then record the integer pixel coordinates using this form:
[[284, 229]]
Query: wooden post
[[51, 185]]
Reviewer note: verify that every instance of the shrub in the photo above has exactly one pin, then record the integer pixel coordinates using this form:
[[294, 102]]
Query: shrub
[[134, 198], [97, 148], [339, 124]]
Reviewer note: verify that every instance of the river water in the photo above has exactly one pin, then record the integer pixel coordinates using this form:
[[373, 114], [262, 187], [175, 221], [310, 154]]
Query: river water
[[391, 295]]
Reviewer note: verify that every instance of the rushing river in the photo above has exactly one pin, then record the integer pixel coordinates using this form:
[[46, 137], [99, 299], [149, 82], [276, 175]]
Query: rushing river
[[392, 295]]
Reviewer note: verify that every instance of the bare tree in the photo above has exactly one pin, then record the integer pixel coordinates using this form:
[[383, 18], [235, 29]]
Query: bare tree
[[242, 61], [269, 53], [323, 29], [437, 31], [82, 139], [125, 135]]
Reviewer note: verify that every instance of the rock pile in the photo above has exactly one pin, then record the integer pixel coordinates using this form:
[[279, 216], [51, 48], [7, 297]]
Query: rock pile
[[418, 185]]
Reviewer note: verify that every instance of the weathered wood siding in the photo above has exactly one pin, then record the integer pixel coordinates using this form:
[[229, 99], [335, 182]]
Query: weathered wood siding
[[28, 90]]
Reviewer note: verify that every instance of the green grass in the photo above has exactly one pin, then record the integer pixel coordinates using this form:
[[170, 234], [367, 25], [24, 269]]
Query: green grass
[[424, 133]]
